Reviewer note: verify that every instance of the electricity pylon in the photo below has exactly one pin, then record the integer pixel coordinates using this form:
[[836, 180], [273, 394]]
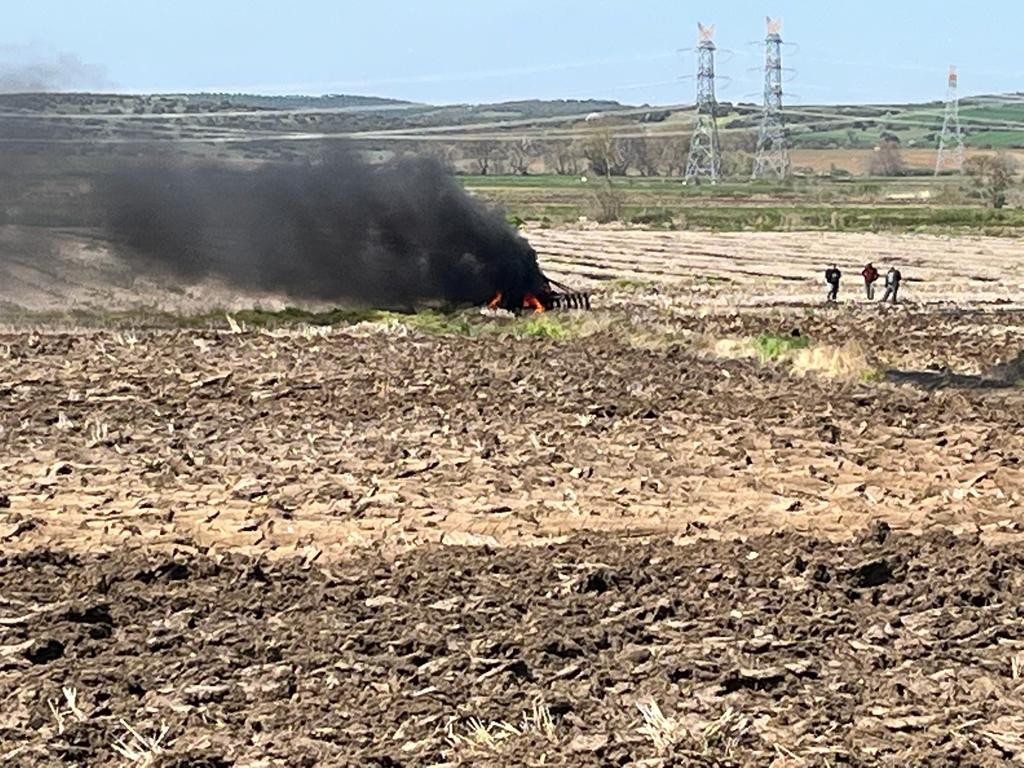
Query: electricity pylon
[[951, 142], [705, 159], [772, 158]]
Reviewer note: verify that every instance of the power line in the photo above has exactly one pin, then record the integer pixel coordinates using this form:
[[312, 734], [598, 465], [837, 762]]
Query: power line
[[532, 127], [240, 136], [247, 137]]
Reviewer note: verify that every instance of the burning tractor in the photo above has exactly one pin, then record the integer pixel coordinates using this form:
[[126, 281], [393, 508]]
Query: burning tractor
[[520, 284], [551, 296]]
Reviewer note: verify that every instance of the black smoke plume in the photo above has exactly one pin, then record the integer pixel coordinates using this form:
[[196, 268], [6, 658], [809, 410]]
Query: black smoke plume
[[398, 235]]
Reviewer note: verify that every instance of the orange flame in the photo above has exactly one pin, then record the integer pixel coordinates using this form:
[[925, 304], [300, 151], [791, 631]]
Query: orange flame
[[532, 302], [495, 302]]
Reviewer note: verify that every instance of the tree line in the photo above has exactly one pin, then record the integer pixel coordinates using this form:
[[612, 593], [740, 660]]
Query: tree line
[[599, 153], [603, 154]]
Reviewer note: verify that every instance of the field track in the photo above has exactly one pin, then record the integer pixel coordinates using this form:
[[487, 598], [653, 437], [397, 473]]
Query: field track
[[47, 271], [782, 268]]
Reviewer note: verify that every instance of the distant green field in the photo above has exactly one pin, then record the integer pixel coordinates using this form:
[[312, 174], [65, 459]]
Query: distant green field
[[857, 205], [852, 139], [997, 139], [862, 187], [987, 122], [1005, 112]]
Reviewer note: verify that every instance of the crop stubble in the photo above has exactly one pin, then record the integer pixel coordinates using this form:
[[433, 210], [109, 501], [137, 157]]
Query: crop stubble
[[779, 650], [293, 548], [301, 443]]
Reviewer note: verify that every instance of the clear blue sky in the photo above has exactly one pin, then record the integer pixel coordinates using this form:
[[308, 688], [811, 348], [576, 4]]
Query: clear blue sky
[[463, 51]]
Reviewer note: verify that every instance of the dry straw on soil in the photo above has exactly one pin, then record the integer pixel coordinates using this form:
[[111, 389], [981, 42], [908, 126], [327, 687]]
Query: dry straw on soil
[[844, 362], [847, 362]]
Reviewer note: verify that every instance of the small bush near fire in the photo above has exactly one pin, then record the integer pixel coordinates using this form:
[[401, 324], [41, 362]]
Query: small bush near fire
[[772, 347], [542, 327]]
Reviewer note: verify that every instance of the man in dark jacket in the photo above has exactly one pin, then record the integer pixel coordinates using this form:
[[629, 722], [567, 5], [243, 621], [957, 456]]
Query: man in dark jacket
[[892, 284], [870, 275], [832, 276]]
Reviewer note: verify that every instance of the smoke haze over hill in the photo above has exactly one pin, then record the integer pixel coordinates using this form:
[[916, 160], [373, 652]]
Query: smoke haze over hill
[[30, 69]]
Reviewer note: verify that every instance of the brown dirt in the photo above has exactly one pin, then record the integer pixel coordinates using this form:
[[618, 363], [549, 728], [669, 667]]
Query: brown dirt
[[781, 650], [54, 271], [58, 271], [858, 161], [300, 547], [307, 443], [746, 270]]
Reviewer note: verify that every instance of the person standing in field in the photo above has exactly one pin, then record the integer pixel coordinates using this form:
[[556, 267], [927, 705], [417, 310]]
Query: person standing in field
[[870, 275], [892, 284], [832, 277]]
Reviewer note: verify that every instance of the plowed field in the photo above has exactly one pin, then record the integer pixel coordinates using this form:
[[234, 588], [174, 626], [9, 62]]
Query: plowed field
[[637, 543], [780, 650]]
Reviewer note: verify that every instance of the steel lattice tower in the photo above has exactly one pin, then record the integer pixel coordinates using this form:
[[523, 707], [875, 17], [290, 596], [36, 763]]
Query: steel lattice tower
[[705, 159], [951, 143], [772, 158]]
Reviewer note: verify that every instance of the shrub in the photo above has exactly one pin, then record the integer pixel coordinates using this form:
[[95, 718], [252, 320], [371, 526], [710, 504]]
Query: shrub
[[772, 347]]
